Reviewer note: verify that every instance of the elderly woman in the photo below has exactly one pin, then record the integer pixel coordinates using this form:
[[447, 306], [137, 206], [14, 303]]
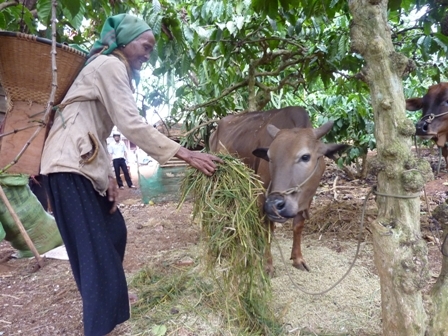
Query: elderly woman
[[80, 181]]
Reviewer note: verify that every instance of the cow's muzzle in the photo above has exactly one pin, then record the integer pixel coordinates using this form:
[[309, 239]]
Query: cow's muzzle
[[421, 128], [276, 209]]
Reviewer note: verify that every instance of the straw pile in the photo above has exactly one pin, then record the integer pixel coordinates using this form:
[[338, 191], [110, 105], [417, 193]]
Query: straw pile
[[235, 238]]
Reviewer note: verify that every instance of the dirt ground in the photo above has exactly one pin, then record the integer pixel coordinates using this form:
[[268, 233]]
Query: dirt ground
[[46, 301]]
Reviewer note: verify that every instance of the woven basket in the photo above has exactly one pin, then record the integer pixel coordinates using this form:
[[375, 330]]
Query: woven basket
[[26, 70], [26, 76]]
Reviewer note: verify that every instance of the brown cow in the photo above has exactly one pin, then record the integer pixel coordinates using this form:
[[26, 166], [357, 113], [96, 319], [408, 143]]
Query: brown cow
[[434, 122], [287, 140]]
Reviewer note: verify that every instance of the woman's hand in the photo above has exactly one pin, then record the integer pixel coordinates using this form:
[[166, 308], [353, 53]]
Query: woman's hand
[[201, 161], [112, 194]]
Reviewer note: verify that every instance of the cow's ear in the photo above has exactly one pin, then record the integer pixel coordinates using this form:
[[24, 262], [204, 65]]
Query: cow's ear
[[330, 149], [261, 153], [414, 104], [324, 129], [272, 130]]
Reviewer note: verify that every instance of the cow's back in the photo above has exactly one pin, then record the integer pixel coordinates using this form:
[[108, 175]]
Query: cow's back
[[240, 134]]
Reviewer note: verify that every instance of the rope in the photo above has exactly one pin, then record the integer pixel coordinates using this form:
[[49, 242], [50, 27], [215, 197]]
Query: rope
[[432, 116], [296, 188], [441, 246], [393, 195], [358, 248]]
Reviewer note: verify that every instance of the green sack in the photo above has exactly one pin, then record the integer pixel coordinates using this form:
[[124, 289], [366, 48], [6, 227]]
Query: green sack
[[163, 185], [40, 225]]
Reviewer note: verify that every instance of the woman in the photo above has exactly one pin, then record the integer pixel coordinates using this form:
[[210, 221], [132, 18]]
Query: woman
[[80, 181]]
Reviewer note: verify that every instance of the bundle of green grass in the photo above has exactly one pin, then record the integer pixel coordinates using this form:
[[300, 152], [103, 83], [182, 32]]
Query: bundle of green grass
[[226, 208]]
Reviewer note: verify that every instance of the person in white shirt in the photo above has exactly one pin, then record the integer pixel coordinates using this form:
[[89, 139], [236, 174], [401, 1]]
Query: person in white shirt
[[118, 152]]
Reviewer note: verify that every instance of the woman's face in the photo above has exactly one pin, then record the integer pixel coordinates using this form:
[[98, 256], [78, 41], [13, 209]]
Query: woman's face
[[137, 52]]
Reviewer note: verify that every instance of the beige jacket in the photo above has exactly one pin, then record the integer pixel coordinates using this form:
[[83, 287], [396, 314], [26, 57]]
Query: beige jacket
[[100, 98]]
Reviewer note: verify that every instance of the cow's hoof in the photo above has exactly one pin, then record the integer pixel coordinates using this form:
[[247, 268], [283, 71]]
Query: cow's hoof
[[301, 266]]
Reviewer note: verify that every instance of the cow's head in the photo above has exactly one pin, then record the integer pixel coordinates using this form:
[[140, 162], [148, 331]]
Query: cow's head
[[434, 121], [296, 165]]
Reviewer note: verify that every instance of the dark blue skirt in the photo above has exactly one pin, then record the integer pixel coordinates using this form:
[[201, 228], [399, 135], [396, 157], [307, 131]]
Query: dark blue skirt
[[95, 241]]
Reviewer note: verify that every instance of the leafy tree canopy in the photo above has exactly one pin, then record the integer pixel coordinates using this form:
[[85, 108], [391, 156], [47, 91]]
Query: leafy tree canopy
[[216, 57]]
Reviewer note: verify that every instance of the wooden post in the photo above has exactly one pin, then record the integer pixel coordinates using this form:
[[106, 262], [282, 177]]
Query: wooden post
[[19, 224]]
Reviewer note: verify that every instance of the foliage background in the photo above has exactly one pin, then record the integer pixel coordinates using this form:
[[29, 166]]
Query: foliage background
[[218, 57]]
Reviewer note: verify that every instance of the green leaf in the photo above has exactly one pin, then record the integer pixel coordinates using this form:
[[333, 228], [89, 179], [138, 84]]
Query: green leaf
[[158, 71], [394, 5], [206, 9], [159, 330], [441, 40], [176, 30], [427, 27], [44, 11], [157, 25], [217, 10], [273, 23], [342, 46], [188, 34], [221, 26], [2, 20], [204, 34], [72, 5], [268, 8], [239, 22], [156, 6], [230, 25], [77, 20], [29, 20], [180, 91], [273, 44], [427, 43]]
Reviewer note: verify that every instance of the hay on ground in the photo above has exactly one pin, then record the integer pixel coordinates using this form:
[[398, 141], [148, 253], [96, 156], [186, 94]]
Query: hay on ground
[[341, 218]]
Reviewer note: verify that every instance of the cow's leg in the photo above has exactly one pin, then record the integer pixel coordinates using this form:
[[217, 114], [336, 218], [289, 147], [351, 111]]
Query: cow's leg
[[269, 265], [445, 156], [296, 253]]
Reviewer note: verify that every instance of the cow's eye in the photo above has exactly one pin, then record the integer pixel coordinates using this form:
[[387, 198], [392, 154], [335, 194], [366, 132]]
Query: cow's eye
[[305, 158]]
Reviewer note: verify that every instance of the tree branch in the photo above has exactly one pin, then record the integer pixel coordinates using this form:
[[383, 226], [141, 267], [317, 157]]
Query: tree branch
[[9, 4], [223, 94], [194, 129], [279, 69], [265, 59], [282, 83]]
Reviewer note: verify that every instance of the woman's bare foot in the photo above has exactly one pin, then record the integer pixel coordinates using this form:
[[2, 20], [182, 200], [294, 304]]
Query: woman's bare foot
[[133, 298]]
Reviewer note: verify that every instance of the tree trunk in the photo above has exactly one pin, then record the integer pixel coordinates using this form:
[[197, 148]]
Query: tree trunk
[[399, 251], [438, 324]]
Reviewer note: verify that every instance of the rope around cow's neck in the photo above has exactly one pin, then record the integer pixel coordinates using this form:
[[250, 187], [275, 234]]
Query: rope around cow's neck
[[432, 116], [296, 188]]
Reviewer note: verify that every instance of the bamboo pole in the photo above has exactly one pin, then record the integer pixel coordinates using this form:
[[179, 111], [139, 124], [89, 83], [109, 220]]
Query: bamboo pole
[[19, 224], [16, 159], [17, 130]]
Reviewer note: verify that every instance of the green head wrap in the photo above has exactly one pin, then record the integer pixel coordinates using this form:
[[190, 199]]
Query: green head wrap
[[118, 30]]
